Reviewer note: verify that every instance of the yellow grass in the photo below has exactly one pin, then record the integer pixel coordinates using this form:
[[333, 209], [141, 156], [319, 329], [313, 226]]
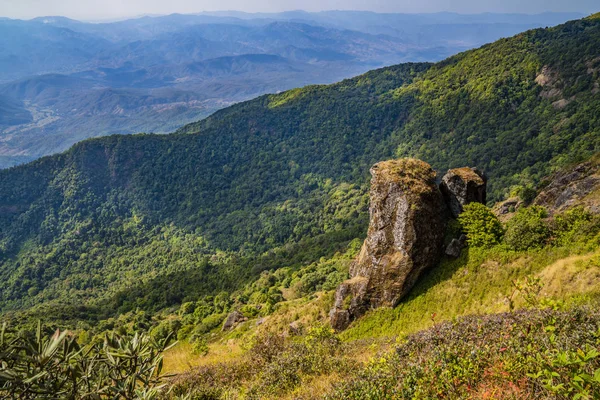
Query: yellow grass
[[477, 286], [181, 358], [572, 275]]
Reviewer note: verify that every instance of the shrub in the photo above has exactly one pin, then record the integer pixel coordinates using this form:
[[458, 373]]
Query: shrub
[[199, 346], [208, 324], [541, 354], [165, 328], [482, 227], [526, 193], [250, 310], [187, 308], [527, 229], [265, 347], [575, 225], [185, 332]]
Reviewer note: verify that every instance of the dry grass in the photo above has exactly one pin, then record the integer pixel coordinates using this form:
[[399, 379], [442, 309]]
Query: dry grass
[[476, 284], [480, 284], [572, 275], [312, 388], [472, 288], [181, 358], [467, 174], [304, 312]]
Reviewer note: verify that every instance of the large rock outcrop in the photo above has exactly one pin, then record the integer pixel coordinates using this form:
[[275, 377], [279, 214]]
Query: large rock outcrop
[[578, 185], [405, 238], [462, 186]]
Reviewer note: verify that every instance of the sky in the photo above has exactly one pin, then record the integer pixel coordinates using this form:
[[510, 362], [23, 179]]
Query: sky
[[107, 9]]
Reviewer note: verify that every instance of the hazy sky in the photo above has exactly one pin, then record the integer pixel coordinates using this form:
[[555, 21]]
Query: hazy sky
[[101, 9]]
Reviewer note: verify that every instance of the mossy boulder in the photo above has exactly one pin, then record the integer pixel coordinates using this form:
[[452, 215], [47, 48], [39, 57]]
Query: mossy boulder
[[405, 237]]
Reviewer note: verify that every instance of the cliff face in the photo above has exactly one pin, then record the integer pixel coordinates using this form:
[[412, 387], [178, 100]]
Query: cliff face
[[405, 237]]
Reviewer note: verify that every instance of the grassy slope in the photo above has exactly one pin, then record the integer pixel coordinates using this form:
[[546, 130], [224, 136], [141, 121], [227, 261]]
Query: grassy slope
[[446, 305], [475, 284], [478, 283]]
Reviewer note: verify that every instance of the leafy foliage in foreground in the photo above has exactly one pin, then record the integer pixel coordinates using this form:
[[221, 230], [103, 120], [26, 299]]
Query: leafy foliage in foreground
[[39, 366]]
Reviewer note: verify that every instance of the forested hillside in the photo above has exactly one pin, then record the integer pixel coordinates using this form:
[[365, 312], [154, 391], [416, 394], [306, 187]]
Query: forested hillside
[[117, 223]]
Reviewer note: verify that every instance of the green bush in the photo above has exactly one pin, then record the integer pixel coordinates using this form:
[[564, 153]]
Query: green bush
[[527, 229], [185, 332], [165, 328], [200, 346], [208, 324], [482, 227], [526, 193], [575, 225]]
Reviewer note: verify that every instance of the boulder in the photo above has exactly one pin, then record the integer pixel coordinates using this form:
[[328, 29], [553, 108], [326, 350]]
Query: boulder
[[405, 238], [232, 320], [462, 186], [507, 206], [456, 246], [506, 209]]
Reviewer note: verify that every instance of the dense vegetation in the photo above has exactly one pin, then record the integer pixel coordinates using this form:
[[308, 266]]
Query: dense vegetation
[[150, 222], [547, 353], [133, 242], [547, 350]]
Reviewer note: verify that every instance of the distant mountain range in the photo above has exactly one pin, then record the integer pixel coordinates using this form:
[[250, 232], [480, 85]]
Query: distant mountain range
[[63, 80]]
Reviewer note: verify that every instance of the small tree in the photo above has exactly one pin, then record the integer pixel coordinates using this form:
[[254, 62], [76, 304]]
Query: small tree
[[527, 229], [574, 225], [482, 227]]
